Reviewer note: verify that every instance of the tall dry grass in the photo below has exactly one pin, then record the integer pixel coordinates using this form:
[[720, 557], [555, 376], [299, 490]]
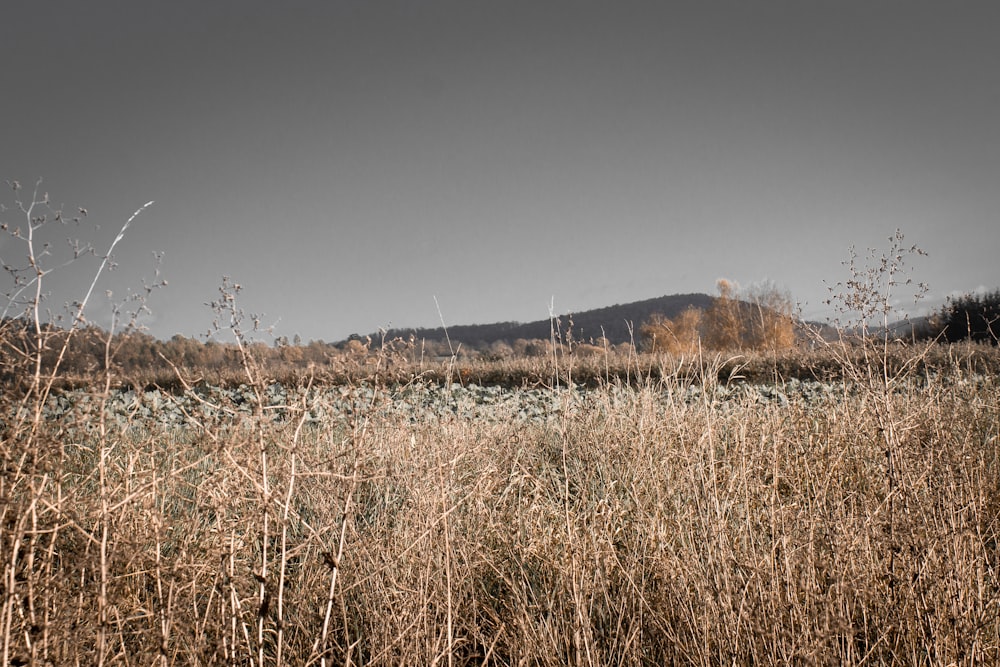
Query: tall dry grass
[[646, 530]]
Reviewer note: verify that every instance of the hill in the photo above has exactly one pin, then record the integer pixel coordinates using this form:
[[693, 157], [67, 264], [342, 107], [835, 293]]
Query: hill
[[619, 324]]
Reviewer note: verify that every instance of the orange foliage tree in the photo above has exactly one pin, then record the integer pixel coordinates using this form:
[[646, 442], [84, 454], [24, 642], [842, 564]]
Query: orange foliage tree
[[759, 318], [724, 320], [681, 335], [772, 318]]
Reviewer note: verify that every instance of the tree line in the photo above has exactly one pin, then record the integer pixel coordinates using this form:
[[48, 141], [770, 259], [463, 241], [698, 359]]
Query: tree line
[[761, 318], [974, 317]]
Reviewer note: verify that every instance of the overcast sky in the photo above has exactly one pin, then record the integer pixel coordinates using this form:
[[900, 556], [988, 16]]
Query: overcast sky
[[348, 162]]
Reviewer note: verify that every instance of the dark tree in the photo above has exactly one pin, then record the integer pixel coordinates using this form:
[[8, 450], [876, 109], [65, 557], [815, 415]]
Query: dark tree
[[973, 317]]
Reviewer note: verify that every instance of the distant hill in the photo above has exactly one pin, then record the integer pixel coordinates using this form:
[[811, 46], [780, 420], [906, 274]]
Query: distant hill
[[619, 324]]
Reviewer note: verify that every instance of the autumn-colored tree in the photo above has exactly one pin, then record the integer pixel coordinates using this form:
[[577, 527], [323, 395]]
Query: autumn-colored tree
[[681, 335], [498, 350], [291, 354], [625, 349], [532, 348], [724, 320], [136, 350], [772, 318], [759, 318], [355, 347], [318, 352], [584, 350], [183, 352]]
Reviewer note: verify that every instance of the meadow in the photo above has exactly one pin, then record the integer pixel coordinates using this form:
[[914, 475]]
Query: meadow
[[644, 510], [813, 502]]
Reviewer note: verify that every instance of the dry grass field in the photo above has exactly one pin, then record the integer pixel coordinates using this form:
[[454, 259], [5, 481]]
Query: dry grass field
[[648, 525]]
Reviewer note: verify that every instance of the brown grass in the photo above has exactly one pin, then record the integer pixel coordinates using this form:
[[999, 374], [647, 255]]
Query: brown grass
[[648, 530]]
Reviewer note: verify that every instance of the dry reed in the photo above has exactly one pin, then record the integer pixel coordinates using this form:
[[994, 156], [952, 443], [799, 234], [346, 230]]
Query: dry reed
[[650, 529]]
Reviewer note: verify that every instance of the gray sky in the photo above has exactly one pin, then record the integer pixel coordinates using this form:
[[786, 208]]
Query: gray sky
[[348, 162]]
